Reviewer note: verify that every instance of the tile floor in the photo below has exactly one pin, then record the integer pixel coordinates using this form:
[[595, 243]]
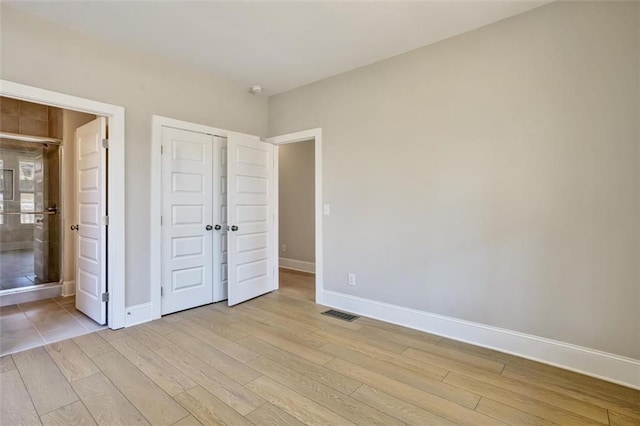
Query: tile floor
[[32, 324]]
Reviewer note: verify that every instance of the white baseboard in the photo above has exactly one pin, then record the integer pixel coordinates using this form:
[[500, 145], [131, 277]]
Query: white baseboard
[[137, 314], [68, 288], [297, 265], [605, 366]]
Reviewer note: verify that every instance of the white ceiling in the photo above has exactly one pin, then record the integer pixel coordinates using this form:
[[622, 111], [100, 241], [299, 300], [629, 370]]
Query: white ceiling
[[279, 45]]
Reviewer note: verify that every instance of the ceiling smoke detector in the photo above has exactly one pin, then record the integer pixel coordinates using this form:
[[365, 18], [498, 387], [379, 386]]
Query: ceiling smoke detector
[[255, 90]]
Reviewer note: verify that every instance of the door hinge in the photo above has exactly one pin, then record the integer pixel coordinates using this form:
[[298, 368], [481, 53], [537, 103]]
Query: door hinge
[[160, 220], [105, 220], [105, 143], [161, 291], [105, 296], [161, 149]]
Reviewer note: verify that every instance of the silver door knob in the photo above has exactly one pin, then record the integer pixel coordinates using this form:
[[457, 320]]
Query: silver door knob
[[208, 227], [74, 227], [217, 227], [234, 228]]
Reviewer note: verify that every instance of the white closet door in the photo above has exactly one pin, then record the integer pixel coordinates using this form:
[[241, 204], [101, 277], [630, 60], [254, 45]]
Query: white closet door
[[187, 219], [250, 216], [91, 231], [220, 281]]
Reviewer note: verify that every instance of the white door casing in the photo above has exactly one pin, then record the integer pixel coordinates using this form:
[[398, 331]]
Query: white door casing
[[91, 233], [220, 270], [187, 211], [316, 136], [251, 202], [116, 178]]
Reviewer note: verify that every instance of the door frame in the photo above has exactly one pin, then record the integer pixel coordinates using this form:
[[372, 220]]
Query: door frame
[[302, 136], [155, 238], [115, 267]]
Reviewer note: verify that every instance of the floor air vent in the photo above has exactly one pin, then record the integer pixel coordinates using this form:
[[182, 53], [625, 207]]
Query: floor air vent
[[340, 315]]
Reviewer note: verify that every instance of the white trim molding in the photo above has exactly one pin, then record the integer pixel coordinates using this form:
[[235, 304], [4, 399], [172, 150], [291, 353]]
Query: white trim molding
[[116, 197], [297, 265], [316, 136], [137, 314], [68, 288], [602, 365]]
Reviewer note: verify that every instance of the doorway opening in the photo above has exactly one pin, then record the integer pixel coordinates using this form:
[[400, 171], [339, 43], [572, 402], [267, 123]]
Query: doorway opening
[[296, 274], [48, 204], [38, 201], [37, 198], [296, 224]]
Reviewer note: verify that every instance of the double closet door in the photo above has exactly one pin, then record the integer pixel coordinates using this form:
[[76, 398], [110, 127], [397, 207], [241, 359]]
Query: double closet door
[[217, 219]]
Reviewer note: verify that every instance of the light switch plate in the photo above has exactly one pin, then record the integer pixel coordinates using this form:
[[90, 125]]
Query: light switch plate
[[352, 278], [326, 209]]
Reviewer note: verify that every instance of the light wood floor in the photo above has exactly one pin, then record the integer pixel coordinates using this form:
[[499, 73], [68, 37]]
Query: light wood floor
[[276, 361]]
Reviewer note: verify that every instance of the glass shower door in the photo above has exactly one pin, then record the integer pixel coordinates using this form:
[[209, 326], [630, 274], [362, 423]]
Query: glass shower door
[[30, 223]]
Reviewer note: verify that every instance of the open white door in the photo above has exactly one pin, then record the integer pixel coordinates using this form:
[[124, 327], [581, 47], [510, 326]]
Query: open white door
[[187, 219], [91, 230], [250, 216]]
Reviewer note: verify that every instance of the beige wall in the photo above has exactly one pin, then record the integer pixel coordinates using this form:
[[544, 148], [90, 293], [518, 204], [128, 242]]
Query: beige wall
[[42, 54], [492, 177], [296, 192]]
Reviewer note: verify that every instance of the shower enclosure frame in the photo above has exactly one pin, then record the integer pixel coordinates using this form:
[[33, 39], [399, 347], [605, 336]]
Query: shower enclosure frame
[[115, 267], [45, 211]]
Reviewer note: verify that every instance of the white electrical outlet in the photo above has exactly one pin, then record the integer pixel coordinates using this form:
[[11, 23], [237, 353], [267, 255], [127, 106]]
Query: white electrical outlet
[[352, 278], [284, 248]]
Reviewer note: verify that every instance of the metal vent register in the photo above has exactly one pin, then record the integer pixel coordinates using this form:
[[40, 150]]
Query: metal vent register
[[340, 315]]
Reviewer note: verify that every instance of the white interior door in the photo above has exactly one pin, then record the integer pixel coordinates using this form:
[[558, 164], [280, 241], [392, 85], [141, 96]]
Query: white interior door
[[91, 231], [220, 270], [187, 219], [250, 216]]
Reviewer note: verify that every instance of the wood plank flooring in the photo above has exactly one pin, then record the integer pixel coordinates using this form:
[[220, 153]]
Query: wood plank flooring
[[276, 360]]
